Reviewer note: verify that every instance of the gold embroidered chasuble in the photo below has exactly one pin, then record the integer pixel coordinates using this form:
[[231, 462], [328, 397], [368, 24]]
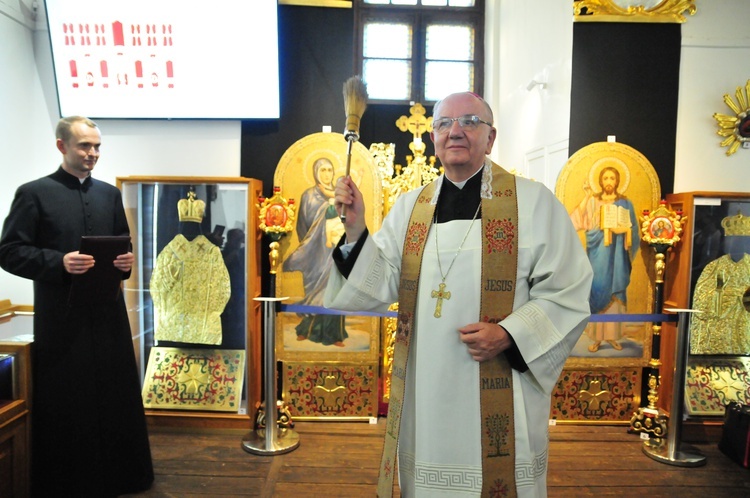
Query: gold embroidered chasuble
[[499, 263], [190, 288], [723, 324]]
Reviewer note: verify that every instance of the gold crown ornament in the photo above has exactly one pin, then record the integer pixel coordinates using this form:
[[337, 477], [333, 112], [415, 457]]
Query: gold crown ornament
[[191, 209], [736, 225]]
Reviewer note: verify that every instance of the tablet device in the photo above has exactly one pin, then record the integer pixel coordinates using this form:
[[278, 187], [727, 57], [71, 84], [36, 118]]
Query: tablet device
[[101, 284]]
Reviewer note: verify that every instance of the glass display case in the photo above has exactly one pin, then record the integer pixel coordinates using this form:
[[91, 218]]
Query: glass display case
[[196, 328], [709, 272]]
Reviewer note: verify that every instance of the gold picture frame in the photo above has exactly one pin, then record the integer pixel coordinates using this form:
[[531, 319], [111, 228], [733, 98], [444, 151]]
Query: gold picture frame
[[657, 11]]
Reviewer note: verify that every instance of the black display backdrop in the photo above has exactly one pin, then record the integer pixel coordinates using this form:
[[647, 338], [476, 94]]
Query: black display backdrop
[[315, 58], [625, 83]]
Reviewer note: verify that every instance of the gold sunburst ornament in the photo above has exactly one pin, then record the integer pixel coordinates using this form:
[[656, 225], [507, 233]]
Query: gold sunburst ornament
[[736, 127]]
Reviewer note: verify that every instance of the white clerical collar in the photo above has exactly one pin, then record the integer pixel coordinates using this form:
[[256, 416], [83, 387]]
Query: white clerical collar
[[460, 185]]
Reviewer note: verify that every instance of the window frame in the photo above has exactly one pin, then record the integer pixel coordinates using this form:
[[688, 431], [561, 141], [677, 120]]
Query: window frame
[[419, 17]]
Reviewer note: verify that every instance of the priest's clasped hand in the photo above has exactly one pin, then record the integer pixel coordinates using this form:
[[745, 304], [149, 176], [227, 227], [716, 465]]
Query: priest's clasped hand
[[347, 194], [485, 340]]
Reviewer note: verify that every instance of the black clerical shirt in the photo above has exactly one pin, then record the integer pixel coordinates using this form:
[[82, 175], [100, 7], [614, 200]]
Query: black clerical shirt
[[459, 203]]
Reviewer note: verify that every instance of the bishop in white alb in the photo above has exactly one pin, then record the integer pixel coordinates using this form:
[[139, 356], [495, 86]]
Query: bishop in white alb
[[440, 447]]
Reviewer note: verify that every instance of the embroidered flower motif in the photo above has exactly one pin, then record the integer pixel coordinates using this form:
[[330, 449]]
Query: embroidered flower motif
[[500, 235], [503, 193], [499, 488], [415, 238]]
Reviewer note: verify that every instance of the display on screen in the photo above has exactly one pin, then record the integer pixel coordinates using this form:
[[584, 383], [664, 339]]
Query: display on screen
[[165, 59]]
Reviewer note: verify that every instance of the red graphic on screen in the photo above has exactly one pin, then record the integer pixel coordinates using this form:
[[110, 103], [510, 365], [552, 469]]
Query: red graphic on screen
[[74, 72], [140, 54], [117, 34]]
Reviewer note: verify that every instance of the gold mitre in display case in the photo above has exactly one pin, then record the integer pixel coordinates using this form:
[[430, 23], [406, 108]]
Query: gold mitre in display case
[[191, 209], [737, 225]]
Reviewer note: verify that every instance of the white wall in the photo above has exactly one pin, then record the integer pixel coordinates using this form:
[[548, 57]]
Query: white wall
[[21, 125], [715, 61], [530, 40], [129, 147]]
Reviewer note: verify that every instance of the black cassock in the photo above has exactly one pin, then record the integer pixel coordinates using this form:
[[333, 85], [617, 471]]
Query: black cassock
[[89, 433]]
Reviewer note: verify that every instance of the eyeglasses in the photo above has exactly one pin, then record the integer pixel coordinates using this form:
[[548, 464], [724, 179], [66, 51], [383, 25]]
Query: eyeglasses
[[467, 122]]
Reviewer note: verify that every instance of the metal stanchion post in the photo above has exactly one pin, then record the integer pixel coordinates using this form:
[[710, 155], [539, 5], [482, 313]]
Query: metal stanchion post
[[271, 440], [673, 452]]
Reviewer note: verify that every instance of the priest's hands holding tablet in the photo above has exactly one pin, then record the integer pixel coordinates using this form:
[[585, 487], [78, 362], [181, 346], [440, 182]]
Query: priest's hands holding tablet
[[76, 263], [485, 340], [347, 194]]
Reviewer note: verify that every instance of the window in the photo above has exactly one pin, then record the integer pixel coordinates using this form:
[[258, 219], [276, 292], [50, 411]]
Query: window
[[419, 50]]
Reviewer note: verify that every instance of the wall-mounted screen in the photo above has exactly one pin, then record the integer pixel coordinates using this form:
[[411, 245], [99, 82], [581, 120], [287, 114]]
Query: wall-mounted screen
[[165, 59]]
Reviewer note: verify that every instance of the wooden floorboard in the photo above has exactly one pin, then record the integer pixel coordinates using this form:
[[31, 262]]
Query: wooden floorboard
[[340, 459]]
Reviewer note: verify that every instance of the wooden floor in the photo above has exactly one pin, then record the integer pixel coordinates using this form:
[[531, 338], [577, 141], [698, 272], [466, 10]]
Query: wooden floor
[[340, 459]]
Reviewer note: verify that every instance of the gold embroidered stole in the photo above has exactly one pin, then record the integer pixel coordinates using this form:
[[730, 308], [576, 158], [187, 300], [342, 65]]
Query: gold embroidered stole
[[499, 264]]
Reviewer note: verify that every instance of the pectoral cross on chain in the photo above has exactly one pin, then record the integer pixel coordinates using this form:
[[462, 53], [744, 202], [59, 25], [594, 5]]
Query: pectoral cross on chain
[[440, 294]]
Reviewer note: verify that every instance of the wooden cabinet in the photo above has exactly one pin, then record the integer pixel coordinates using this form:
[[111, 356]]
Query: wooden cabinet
[[14, 449], [14, 410]]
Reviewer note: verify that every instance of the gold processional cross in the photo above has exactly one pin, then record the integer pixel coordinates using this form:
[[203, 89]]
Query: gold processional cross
[[416, 122], [440, 294]]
